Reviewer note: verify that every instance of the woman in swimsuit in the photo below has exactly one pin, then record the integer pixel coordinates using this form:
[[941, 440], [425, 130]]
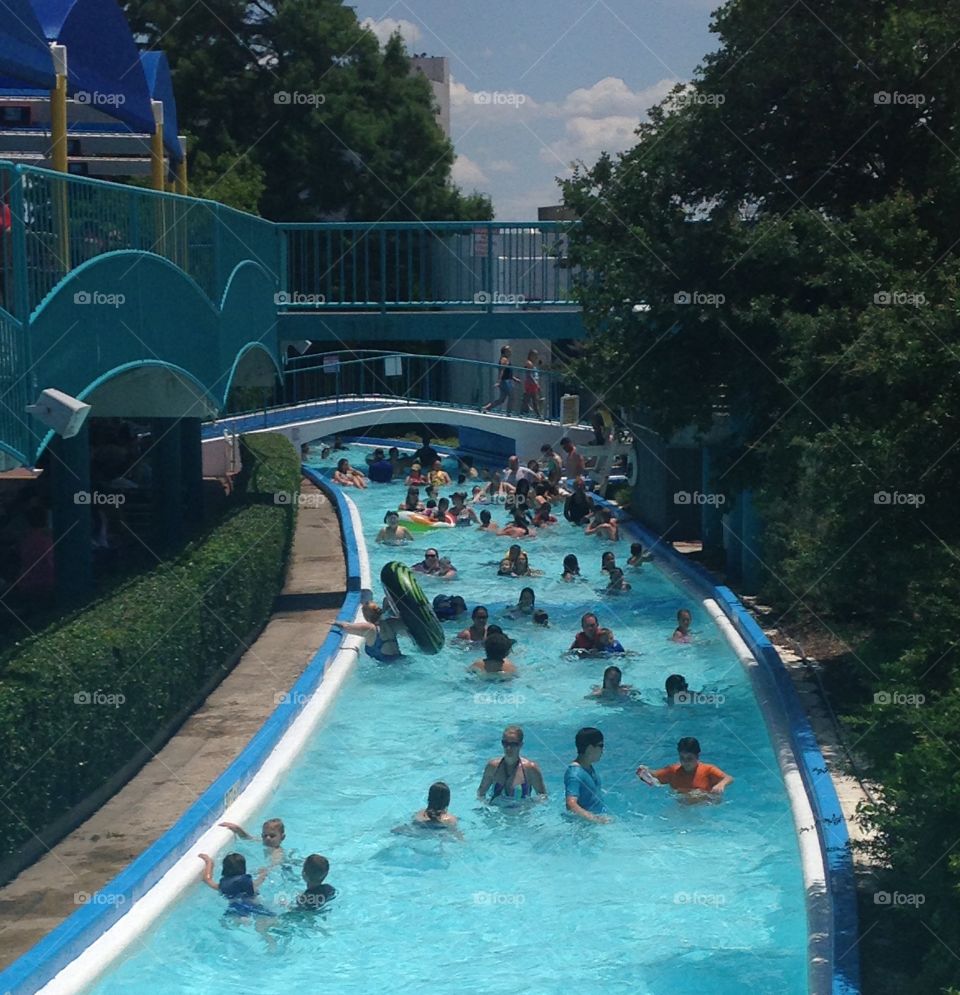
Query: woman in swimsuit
[[512, 777], [435, 815], [462, 514], [612, 689], [519, 527], [525, 605], [571, 568], [346, 476], [412, 501], [379, 633], [476, 632]]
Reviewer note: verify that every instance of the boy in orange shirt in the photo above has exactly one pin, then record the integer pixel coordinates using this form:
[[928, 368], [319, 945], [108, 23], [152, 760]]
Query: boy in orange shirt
[[689, 775]]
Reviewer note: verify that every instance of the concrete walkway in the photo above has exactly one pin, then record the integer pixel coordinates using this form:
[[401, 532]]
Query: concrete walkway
[[43, 895]]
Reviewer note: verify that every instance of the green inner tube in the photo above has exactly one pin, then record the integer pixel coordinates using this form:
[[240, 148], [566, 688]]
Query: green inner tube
[[415, 611]]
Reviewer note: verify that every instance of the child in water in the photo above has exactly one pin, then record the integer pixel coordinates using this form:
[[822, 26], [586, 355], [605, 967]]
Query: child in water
[[236, 885], [681, 634], [618, 583], [315, 870], [571, 568], [272, 835], [525, 604]]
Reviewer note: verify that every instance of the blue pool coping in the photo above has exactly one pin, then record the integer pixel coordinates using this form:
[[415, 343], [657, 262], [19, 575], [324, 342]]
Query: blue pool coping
[[66, 942], [832, 834]]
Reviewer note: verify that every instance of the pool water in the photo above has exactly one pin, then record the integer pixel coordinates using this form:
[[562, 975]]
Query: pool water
[[669, 898]]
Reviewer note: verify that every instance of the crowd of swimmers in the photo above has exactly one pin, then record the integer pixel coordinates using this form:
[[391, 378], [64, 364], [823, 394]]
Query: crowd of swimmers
[[528, 495]]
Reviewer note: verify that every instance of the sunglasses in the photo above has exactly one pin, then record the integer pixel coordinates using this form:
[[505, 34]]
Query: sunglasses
[[431, 556], [480, 616], [510, 742]]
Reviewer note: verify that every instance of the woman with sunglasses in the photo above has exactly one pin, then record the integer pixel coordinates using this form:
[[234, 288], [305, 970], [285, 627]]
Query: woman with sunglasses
[[476, 632], [513, 777]]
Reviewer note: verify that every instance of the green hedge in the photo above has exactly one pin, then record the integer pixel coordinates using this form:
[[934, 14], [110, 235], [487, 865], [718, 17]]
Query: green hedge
[[79, 700]]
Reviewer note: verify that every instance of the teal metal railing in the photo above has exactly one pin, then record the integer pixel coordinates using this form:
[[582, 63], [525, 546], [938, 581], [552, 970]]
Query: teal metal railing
[[64, 221], [439, 264]]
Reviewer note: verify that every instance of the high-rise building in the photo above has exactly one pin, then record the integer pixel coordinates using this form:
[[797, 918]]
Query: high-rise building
[[437, 70]]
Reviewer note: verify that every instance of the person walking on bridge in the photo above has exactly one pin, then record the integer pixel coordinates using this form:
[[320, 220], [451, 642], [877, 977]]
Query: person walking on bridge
[[505, 382]]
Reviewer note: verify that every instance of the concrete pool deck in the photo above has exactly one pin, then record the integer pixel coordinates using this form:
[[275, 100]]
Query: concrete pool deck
[[47, 892]]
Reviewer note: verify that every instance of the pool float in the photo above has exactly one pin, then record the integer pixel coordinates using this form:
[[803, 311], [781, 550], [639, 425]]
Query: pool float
[[412, 606], [416, 522]]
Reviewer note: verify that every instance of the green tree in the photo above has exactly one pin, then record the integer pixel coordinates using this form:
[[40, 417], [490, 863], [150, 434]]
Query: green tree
[[299, 91]]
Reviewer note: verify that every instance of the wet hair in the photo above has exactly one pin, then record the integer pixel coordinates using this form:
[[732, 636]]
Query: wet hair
[[571, 564], [689, 745], [485, 517], [675, 684], [608, 555], [234, 864], [616, 575], [585, 616], [386, 517], [636, 549], [533, 596], [540, 617], [684, 611], [491, 629], [497, 645], [588, 736], [341, 463], [511, 555], [438, 798], [479, 608], [275, 824], [315, 868], [609, 672], [517, 731], [443, 501], [458, 603]]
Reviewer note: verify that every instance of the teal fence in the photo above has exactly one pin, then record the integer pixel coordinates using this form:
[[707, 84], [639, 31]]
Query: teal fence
[[438, 264]]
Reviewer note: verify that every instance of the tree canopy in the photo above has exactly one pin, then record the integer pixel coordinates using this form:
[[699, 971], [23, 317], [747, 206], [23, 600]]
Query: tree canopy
[[295, 110]]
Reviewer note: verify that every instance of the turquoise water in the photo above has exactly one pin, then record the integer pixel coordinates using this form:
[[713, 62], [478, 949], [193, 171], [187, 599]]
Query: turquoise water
[[668, 898]]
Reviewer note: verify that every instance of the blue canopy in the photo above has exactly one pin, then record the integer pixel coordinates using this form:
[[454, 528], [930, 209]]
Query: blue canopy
[[24, 52], [102, 59], [156, 69]]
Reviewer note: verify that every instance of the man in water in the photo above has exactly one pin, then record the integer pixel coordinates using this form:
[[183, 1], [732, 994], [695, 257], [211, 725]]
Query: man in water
[[573, 462], [586, 639], [581, 783]]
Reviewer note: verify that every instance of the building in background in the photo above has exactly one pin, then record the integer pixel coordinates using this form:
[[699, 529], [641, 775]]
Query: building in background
[[556, 212], [437, 70]]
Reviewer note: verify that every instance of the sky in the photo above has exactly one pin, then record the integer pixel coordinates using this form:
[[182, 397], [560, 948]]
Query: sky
[[538, 84]]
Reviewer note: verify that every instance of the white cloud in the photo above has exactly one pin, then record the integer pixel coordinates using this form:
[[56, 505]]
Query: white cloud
[[386, 26], [585, 138], [501, 166], [611, 96], [467, 174]]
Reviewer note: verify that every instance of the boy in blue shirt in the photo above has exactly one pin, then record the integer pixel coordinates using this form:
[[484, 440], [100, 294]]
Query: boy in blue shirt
[[581, 783]]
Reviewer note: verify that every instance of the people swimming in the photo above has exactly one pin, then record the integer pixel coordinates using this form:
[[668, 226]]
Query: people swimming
[[606, 642], [607, 527], [526, 604], [318, 893], [435, 815], [412, 501], [449, 607], [511, 777], [637, 555], [618, 583], [571, 568], [432, 564], [518, 527], [581, 782], [689, 776], [393, 533], [379, 633], [676, 685], [486, 522], [681, 634], [476, 632], [495, 665], [236, 885], [272, 834], [612, 689]]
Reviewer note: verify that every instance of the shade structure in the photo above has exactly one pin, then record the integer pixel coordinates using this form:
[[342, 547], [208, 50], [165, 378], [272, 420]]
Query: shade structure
[[103, 63], [24, 51], [156, 69]]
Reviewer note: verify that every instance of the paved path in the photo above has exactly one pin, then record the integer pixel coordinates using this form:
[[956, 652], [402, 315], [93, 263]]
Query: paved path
[[44, 894]]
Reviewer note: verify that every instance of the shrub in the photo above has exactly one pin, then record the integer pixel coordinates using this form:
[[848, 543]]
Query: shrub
[[79, 700]]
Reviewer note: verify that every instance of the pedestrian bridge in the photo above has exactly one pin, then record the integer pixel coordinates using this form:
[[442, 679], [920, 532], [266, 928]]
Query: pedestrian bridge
[[155, 305]]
